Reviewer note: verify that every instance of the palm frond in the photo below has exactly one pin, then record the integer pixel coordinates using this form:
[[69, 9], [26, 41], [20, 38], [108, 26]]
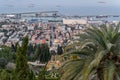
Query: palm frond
[[95, 44], [93, 64], [117, 76], [73, 69], [109, 70]]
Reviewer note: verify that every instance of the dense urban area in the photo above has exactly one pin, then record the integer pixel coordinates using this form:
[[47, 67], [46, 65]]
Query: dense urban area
[[51, 46]]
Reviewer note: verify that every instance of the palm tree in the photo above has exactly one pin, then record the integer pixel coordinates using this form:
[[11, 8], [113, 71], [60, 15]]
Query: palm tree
[[99, 50]]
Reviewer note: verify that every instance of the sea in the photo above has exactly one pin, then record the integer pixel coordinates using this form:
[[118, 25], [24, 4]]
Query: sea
[[71, 10]]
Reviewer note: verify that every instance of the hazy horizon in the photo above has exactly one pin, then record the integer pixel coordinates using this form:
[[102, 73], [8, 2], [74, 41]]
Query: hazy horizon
[[70, 7]]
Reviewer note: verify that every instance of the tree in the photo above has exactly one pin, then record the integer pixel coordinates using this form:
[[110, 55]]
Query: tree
[[42, 53], [59, 50], [22, 68], [13, 75], [13, 47], [30, 52], [37, 52], [30, 49], [99, 51], [4, 40], [3, 62], [8, 54], [32, 75], [4, 75], [45, 53], [41, 75]]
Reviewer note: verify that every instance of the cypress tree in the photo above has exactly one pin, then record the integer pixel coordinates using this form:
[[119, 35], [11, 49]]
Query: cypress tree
[[13, 47], [30, 49], [22, 68], [44, 58], [42, 53], [45, 53], [59, 50], [37, 52]]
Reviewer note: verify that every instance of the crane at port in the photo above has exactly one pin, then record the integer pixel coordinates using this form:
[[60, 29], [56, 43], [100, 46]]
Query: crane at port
[[101, 2]]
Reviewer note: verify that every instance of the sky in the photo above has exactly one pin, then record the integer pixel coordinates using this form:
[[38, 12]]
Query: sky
[[60, 2], [62, 5]]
